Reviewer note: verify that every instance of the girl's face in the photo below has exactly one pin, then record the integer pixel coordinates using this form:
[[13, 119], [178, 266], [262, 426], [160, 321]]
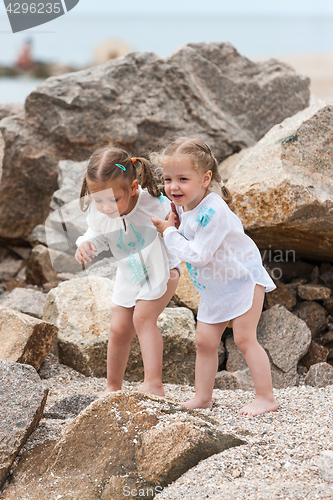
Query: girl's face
[[184, 185], [114, 198]]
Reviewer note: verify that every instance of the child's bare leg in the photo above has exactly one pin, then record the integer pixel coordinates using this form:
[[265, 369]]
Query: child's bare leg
[[121, 333], [208, 338], [145, 317], [245, 335]]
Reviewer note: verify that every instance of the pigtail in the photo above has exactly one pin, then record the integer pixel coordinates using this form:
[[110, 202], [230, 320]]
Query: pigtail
[[147, 178], [225, 193], [84, 201]]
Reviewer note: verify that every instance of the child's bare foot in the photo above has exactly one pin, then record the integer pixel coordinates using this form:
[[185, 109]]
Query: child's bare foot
[[156, 389], [259, 406], [196, 403]]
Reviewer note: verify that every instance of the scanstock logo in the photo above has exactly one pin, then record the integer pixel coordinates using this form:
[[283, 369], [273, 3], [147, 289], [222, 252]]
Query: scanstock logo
[[29, 13]]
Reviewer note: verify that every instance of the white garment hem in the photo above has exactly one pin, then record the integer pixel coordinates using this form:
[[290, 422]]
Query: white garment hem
[[247, 308]]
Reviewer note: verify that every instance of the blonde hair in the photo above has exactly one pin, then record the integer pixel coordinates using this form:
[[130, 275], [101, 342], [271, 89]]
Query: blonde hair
[[202, 159], [102, 167]]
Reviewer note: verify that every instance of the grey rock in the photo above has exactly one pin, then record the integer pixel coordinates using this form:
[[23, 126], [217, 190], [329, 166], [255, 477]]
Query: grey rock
[[325, 465], [314, 292], [24, 339], [25, 300], [70, 177], [314, 315], [11, 108], [81, 309], [285, 337], [69, 407], [9, 267], [125, 439], [240, 379], [22, 400], [282, 190], [320, 375], [200, 89]]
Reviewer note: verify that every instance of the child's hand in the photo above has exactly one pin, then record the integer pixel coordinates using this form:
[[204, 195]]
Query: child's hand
[[84, 252], [161, 224], [177, 221]]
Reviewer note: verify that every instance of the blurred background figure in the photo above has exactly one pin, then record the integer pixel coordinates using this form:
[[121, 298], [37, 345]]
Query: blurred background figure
[[110, 49], [25, 60]]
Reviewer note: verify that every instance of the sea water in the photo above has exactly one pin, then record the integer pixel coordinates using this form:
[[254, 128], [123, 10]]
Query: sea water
[[71, 38]]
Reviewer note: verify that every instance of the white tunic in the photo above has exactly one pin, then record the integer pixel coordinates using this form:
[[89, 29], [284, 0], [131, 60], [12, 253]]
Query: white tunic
[[143, 261], [223, 262]]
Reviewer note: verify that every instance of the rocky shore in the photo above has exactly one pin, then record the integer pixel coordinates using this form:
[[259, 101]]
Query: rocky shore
[[276, 156]]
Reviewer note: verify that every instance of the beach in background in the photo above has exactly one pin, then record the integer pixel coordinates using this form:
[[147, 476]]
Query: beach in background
[[305, 43]]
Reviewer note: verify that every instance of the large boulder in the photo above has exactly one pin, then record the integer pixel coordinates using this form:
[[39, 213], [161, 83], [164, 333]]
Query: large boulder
[[22, 400], [24, 339], [81, 309], [138, 100], [283, 188], [121, 445]]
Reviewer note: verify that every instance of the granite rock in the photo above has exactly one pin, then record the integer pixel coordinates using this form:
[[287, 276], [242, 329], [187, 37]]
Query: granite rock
[[9, 267], [320, 375], [138, 100], [22, 400], [283, 189], [316, 354], [314, 292], [314, 315], [81, 309], [240, 379], [285, 337], [25, 300], [24, 339], [123, 440], [281, 295]]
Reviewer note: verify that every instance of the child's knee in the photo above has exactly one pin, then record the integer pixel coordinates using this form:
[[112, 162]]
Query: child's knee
[[141, 319]]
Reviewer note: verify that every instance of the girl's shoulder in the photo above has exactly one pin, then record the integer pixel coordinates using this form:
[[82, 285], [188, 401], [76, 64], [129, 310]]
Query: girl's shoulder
[[151, 204]]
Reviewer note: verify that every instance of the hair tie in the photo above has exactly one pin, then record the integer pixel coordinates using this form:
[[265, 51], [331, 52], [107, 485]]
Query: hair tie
[[133, 159], [120, 166], [221, 184]]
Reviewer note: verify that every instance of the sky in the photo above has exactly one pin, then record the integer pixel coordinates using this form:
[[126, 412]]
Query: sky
[[246, 7]]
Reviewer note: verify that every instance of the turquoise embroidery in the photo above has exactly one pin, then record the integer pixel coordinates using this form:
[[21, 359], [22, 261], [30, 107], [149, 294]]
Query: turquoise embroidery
[[205, 215], [162, 198], [193, 272], [138, 270]]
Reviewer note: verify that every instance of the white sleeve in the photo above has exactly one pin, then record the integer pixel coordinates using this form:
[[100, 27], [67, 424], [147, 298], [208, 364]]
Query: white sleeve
[[94, 235], [208, 236]]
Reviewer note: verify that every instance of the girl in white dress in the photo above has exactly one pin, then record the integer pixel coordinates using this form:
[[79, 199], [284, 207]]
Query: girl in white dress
[[119, 219], [224, 264]]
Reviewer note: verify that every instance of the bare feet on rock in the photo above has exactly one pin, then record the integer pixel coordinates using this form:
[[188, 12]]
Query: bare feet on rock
[[258, 407], [156, 389], [195, 403]]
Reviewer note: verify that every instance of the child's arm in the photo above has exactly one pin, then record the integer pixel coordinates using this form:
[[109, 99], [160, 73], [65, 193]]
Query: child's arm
[[208, 237], [90, 244]]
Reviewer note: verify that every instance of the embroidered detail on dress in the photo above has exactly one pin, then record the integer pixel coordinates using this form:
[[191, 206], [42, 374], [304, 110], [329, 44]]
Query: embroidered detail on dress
[[193, 272], [162, 198], [205, 215], [138, 270]]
